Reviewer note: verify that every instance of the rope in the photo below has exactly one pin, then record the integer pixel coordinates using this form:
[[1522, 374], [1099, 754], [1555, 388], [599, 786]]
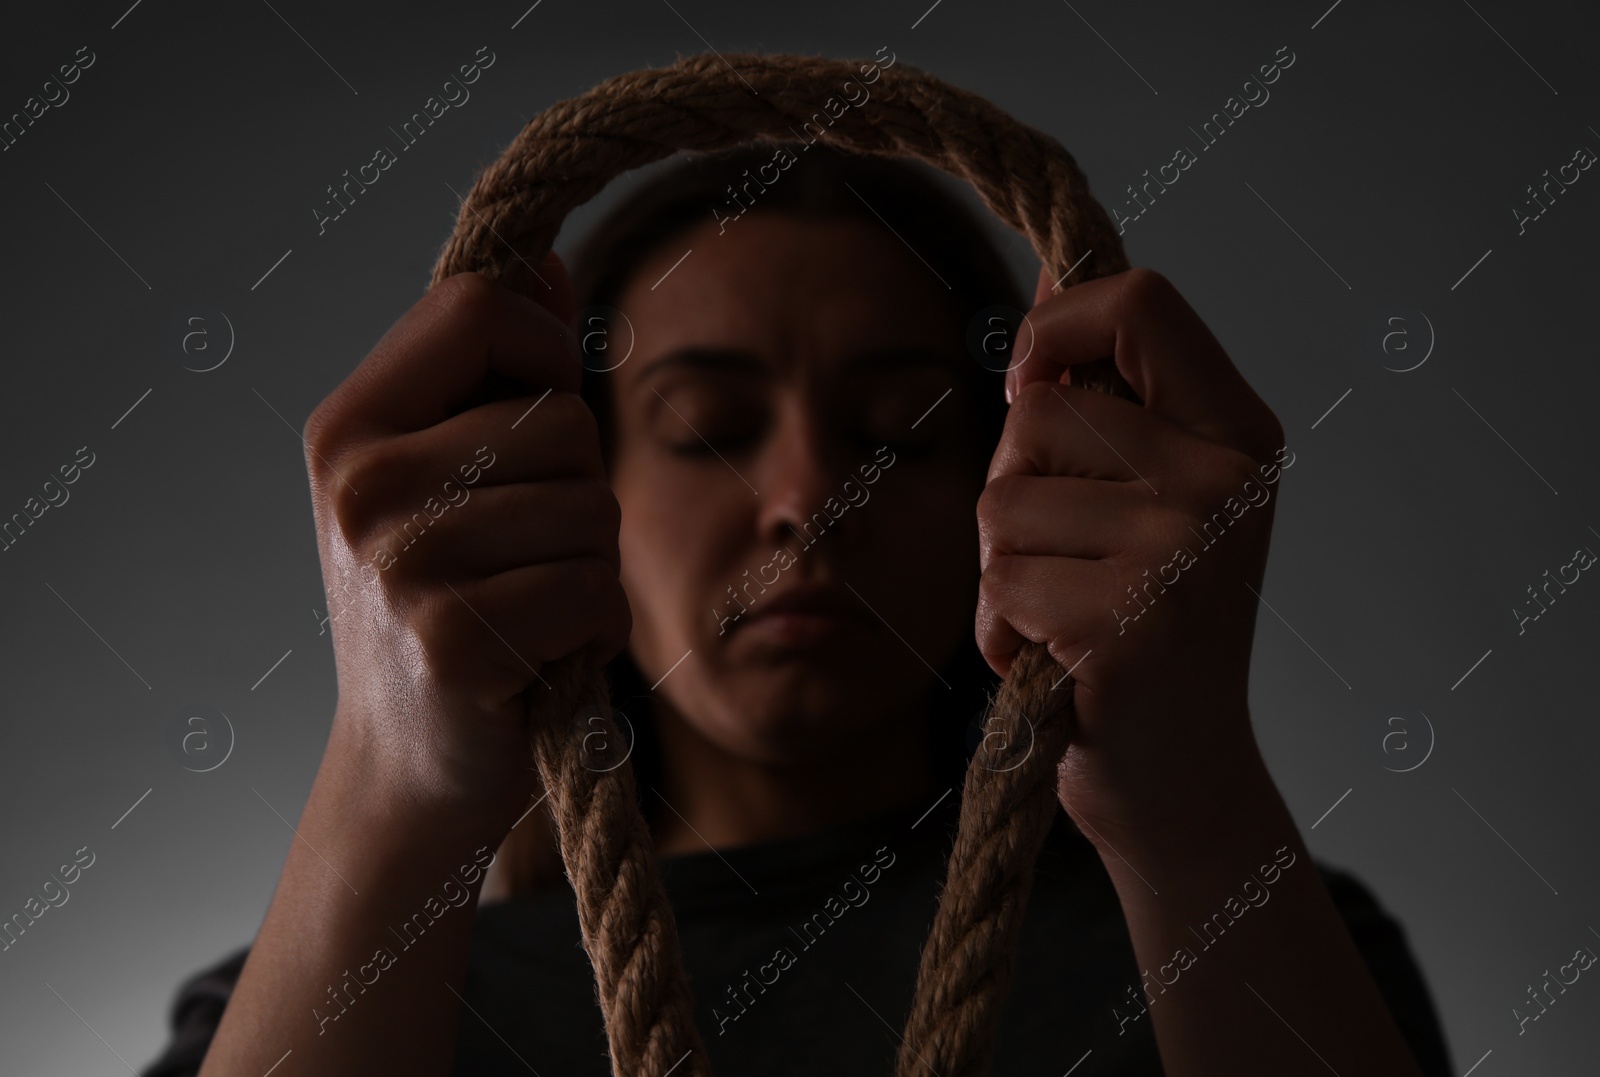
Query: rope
[[509, 221], [1007, 806], [623, 913]]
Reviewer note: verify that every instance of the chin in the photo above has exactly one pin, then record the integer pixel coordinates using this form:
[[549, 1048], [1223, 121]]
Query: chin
[[781, 730]]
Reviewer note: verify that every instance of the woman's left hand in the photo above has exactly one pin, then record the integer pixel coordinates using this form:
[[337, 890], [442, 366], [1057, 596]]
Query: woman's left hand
[[1132, 542]]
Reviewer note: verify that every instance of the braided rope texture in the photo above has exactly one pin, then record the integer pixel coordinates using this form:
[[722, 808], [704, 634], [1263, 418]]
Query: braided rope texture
[[623, 914], [507, 223]]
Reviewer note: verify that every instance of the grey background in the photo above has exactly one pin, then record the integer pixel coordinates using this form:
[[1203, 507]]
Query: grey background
[[1417, 512]]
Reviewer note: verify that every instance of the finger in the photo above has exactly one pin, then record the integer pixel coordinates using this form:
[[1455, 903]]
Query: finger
[[1048, 516], [466, 335], [500, 528], [1019, 600], [526, 439], [1161, 347], [1067, 430]]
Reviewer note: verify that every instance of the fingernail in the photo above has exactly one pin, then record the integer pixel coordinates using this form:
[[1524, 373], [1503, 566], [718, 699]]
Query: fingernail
[[1009, 393]]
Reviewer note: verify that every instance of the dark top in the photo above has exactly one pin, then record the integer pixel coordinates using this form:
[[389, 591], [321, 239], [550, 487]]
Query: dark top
[[802, 956]]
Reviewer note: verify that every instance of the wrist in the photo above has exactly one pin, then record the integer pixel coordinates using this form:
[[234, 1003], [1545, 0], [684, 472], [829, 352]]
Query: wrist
[[400, 790], [1164, 860], [1228, 801]]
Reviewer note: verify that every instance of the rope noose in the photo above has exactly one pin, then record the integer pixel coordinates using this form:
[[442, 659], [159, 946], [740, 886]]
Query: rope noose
[[509, 221]]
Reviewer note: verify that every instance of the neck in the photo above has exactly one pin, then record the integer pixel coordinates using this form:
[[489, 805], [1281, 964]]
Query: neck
[[718, 800]]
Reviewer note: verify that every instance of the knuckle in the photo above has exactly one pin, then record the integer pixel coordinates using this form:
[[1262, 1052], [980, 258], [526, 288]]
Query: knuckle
[[320, 435], [311, 431], [996, 504], [997, 580], [576, 426], [464, 295], [1035, 400], [436, 626], [345, 509], [451, 640], [448, 667], [576, 417], [1143, 287], [1236, 466], [1163, 529], [369, 470], [402, 575], [1228, 473]]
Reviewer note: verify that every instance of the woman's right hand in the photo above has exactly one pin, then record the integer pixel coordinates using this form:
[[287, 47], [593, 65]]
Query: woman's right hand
[[467, 537]]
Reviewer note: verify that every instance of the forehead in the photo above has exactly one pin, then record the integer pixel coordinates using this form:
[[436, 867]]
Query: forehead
[[789, 290]]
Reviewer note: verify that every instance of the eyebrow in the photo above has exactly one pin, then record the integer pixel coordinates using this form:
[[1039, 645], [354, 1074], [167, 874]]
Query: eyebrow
[[874, 361]]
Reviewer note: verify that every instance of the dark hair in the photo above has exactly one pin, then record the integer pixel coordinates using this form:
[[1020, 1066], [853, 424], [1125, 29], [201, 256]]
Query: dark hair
[[901, 193]]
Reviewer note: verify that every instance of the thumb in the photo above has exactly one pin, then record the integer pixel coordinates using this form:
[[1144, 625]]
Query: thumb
[[1042, 291]]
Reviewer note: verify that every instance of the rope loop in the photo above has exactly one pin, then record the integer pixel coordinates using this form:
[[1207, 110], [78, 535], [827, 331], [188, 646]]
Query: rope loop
[[508, 222]]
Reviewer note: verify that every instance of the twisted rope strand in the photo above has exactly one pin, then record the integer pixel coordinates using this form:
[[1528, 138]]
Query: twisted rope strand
[[623, 914], [509, 220], [1007, 806]]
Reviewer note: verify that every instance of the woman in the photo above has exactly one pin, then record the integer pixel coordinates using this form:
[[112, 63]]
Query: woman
[[760, 502]]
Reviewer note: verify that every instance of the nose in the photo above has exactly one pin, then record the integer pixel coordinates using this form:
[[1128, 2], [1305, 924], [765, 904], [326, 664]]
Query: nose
[[799, 473]]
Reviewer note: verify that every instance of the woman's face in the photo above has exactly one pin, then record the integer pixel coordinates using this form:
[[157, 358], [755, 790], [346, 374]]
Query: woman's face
[[773, 435]]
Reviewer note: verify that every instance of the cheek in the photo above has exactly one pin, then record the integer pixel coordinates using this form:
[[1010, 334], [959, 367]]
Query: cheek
[[672, 552], [647, 540]]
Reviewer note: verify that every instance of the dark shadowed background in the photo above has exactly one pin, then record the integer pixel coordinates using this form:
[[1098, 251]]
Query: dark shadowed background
[[1377, 191]]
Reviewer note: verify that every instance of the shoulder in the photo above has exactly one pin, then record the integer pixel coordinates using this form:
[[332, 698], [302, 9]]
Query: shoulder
[[196, 1011], [1385, 947]]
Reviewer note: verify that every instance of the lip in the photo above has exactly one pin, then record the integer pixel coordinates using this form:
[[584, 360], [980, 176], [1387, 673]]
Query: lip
[[800, 629], [804, 617], [808, 601]]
